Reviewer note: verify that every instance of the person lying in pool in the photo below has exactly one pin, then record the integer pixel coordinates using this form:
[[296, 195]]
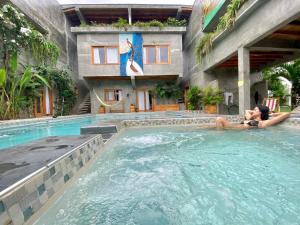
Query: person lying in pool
[[259, 117]]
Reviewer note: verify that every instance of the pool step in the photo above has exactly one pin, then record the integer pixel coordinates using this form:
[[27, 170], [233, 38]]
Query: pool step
[[99, 129]]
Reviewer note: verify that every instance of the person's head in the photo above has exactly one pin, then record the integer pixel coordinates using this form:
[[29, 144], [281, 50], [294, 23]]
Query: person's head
[[262, 112]]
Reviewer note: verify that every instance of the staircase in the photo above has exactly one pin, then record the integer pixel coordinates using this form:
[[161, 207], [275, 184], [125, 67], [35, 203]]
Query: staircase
[[85, 106]]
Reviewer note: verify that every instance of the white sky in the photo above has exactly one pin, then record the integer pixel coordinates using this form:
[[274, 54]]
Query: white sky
[[175, 2]]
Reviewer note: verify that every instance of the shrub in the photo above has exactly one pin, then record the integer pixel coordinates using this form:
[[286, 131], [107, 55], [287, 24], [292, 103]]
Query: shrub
[[194, 98]]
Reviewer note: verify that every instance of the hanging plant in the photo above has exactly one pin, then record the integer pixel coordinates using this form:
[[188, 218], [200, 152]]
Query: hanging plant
[[204, 44], [16, 33]]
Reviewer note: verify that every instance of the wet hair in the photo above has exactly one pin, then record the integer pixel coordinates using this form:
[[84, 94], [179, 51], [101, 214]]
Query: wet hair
[[264, 112]]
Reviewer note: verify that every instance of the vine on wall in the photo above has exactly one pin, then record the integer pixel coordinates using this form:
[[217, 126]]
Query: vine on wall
[[204, 44], [17, 35]]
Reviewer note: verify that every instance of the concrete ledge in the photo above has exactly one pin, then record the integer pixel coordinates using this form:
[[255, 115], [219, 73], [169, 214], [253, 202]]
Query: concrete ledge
[[99, 129], [20, 201], [111, 29]]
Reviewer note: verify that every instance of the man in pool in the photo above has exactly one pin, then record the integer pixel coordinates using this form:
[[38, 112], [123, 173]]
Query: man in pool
[[259, 117]]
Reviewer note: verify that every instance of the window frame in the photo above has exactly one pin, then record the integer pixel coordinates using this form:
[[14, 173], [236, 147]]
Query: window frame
[[114, 90], [145, 49], [105, 54]]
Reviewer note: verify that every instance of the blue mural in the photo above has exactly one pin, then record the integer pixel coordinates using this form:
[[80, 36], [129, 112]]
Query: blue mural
[[131, 54]]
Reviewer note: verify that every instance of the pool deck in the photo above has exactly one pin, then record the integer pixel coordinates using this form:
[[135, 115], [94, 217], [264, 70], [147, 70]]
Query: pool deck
[[22, 160]]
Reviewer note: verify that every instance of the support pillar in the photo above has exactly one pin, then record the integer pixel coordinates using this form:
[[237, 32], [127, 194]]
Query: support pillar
[[129, 16], [244, 79]]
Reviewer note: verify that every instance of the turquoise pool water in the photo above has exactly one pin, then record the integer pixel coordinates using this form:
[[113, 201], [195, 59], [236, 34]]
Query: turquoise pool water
[[20, 135], [188, 176]]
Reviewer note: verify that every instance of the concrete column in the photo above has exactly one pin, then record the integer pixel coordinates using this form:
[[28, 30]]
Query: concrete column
[[244, 79], [129, 16]]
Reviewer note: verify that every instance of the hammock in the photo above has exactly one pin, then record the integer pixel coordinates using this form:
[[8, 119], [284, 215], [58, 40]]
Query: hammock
[[103, 103]]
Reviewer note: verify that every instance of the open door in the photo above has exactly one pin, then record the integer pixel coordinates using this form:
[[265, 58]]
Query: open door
[[144, 100], [43, 105]]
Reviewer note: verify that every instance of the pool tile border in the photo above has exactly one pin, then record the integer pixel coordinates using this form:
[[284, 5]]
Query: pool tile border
[[20, 203]]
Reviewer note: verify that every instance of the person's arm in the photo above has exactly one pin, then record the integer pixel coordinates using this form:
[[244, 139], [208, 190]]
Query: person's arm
[[276, 119]]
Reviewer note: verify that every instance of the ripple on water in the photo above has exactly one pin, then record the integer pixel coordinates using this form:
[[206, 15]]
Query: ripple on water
[[158, 176]]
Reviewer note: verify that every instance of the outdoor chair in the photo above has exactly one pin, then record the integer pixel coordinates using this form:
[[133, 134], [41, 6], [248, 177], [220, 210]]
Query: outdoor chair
[[272, 103]]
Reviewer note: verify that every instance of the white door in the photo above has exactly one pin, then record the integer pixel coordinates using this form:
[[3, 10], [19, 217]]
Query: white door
[[141, 100]]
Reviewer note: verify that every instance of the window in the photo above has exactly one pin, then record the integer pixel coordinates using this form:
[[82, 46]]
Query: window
[[105, 55], [113, 95], [156, 54]]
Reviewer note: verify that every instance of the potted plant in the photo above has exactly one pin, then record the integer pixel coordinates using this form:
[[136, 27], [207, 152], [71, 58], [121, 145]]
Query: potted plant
[[194, 98], [211, 98], [132, 108], [101, 109]]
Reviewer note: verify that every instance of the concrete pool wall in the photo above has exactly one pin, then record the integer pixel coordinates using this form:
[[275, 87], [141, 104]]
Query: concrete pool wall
[[21, 200]]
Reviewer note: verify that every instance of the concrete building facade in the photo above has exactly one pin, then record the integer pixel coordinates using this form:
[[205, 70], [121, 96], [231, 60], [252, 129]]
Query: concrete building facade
[[106, 78], [265, 33]]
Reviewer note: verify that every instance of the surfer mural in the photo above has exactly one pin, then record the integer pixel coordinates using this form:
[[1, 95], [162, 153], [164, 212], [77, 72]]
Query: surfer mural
[[131, 54]]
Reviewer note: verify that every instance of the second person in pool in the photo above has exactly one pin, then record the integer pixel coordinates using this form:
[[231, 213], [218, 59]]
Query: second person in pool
[[258, 117]]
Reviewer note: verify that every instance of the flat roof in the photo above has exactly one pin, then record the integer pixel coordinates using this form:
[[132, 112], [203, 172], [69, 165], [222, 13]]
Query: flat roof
[[109, 13]]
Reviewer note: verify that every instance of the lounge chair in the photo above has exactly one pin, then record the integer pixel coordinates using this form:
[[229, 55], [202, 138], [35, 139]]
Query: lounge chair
[[272, 103]]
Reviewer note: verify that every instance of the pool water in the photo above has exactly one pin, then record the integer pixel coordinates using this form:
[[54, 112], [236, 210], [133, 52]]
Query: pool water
[[21, 135], [188, 176]]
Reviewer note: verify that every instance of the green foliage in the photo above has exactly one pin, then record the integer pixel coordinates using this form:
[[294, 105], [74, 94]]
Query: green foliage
[[17, 34], [204, 44], [194, 98], [152, 23], [16, 92], [171, 21], [168, 90], [2, 78], [212, 96], [121, 23], [63, 83], [290, 71]]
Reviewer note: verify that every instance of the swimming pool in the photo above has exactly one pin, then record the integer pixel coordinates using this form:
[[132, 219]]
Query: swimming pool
[[24, 134], [188, 176]]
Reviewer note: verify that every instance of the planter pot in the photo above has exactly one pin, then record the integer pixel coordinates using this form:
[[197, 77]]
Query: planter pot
[[210, 109], [101, 110], [132, 109]]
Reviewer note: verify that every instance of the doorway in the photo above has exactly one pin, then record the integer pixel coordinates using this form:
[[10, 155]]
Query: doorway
[[144, 100], [43, 104]]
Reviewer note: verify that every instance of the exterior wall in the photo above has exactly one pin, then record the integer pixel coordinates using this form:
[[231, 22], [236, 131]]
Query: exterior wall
[[86, 68], [195, 74], [48, 16], [128, 93], [255, 21]]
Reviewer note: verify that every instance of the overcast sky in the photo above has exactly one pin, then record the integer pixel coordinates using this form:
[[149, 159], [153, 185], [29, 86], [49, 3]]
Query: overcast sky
[[176, 2]]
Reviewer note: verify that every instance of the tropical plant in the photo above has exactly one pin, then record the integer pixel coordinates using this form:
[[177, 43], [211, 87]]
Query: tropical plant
[[204, 44], [290, 71], [171, 21], [212, 96], [194, 98], [123, 23], [168, 90], [15, 89], [62, 81]]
